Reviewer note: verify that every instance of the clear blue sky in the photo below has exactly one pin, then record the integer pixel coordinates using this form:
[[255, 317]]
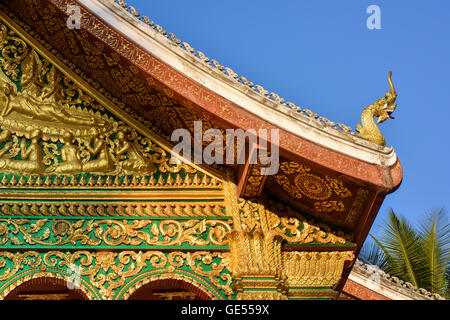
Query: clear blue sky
[[320, 55]]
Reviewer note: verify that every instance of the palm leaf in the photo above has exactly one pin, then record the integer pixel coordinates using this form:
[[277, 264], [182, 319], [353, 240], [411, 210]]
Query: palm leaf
[[390, 264], [435, 239], [420, 256], [371, 253], [399, 242]]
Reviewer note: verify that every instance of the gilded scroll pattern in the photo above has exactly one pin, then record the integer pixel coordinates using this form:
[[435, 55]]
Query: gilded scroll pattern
[[299, 231], [109, 271], [291, 226], [111, 233], [12, 49], [329, 206]]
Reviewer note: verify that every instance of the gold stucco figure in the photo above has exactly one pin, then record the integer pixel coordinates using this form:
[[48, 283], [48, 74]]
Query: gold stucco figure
[[71, 162], [132, 159], [382, 109], [4, 137], [35, 102], [31, 156], [103, 163]]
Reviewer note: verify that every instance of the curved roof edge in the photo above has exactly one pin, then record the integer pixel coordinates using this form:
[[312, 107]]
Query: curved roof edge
[[393, 288], [224, 82]]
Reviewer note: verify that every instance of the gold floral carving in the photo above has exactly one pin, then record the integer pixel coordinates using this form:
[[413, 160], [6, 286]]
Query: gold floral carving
[[256, 248], [11, 54], [108, 271], [255, 255], [308, 184], [249, 215], [338, 187], [57, 232], [291, 190], [314, 269], [293, 167], [312, 186], [254, 252], [231, 199], [329, 206], [293, 229]]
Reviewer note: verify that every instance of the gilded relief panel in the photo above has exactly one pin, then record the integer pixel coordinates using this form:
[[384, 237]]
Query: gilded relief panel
[[111, 275], [325, 197], [54, 134], [113, 233]]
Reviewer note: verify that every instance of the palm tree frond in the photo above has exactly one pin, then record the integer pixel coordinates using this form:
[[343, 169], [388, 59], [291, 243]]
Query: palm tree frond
[[418, 255], [371, 253], [400, 239], [435, 239], [391, 265]]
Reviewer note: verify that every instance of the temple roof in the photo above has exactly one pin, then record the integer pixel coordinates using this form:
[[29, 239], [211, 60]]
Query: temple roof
[[237, 89]]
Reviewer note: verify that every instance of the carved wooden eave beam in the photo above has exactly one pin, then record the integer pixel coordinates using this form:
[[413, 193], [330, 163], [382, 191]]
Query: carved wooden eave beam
[[250, 181]]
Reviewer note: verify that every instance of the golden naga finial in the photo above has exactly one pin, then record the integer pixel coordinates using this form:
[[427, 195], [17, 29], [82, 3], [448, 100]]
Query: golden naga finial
[[382, 109]]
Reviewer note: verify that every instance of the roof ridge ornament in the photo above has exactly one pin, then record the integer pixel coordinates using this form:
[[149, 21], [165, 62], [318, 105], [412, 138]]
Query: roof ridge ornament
[[228, 72], [382, 110]]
